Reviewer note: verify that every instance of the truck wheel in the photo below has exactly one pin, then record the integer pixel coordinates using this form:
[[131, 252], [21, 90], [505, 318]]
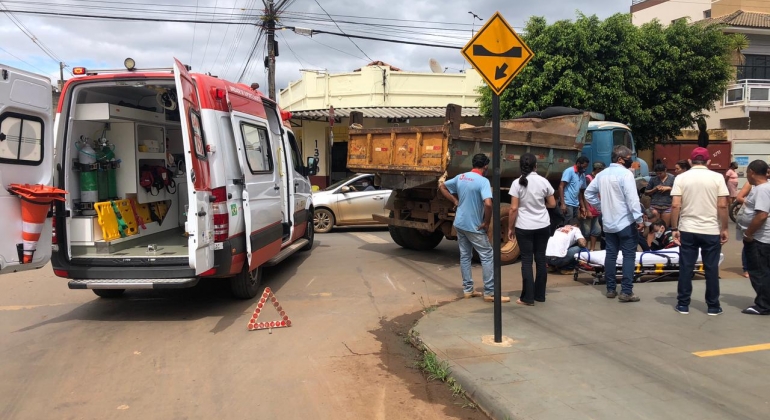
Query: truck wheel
[[109, 293], [509, 250], [419, 240], [246, 284], [309, 235], [395, 235], [323, 220]]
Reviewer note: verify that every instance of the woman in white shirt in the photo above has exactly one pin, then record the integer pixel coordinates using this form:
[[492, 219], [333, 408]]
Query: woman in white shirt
[[529, 223]]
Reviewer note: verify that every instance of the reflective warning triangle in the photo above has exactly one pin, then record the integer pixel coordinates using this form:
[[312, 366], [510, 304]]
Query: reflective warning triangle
[[268, 298]]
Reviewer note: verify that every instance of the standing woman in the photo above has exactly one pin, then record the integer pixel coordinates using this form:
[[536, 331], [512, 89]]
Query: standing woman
[[731, 177], [529, 223], [681, 167]]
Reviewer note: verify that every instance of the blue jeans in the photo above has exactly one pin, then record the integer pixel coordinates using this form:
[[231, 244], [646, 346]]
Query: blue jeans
[[625, 241], [710, 248], [480, 242], [572, 213], [566, 262]]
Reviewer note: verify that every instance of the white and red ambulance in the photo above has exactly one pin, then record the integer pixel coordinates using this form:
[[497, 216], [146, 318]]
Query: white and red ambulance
[[171, 176]]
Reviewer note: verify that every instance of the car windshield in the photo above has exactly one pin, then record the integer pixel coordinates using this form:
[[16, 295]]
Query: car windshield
[[338, 183]]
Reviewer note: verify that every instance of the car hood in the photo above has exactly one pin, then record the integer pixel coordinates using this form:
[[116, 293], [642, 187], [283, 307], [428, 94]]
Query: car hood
[[322, 197]]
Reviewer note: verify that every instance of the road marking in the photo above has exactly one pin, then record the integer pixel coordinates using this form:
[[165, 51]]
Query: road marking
[[387, 277], [20, 307], [369, 238], [733, 350], [324, 294], [311, 282]]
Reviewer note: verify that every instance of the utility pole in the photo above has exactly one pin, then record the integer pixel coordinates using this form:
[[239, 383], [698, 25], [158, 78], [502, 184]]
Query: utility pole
[[61, 75], [271, 50]]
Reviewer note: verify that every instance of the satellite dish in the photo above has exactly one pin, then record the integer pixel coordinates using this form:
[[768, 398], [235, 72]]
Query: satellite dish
[[435, 67]]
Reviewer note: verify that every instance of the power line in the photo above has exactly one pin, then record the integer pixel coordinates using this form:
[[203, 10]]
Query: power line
[[336, 49], [195, 28], [206, 50], [31, 65], [29, 34], [422, 44], [338, 27], [222, 44]]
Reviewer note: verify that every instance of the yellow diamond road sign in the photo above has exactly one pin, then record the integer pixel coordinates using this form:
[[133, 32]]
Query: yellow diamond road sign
[[497, 53]]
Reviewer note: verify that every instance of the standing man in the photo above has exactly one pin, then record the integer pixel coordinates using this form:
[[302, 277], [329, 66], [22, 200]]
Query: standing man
[[573, 183], [471, 194], [699, 223], [756, 236], [621, 217]]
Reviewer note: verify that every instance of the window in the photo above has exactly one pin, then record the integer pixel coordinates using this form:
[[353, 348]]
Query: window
[[272, 119], [196, 131], [622, 138], [296, 157], [21, 139], [755, 67], [358, 185], [257, 144], [707, 14], [589, 137]]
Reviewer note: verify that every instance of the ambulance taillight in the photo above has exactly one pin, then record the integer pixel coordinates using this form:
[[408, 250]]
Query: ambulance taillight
[[221, 215]]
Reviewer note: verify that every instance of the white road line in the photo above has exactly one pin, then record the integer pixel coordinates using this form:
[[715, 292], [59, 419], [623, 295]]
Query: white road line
[[311, 282], [369, 238], [20, 307], [387, 277]]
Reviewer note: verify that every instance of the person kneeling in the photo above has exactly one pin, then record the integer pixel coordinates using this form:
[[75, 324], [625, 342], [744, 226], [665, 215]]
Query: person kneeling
[[563, 246], [662, 238]]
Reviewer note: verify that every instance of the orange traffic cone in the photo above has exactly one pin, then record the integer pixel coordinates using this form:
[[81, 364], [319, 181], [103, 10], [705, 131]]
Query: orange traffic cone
[[35, 202]]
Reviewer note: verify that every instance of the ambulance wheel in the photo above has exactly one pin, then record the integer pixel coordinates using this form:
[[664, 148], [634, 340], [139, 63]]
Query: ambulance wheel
[[109, 293], [309, 234], [323, 220], [246, 284]]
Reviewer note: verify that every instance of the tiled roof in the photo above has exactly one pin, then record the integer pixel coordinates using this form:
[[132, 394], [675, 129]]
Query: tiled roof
[[384, 112], [380, 64], [743, 19]]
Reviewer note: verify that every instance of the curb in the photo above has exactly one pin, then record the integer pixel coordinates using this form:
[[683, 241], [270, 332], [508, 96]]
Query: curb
[[490, 403]]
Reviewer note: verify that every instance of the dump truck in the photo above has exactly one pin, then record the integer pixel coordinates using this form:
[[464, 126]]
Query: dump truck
[[413, 161]]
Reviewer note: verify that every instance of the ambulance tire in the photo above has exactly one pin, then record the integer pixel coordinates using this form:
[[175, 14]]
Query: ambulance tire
[[420, 240], [246, 284], [109, 293], [309, 232]]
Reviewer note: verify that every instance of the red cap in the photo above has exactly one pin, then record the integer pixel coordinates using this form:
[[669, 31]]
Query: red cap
[[700, 153]]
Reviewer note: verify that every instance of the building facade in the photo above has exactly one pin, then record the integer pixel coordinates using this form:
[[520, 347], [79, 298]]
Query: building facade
[[387, 96]]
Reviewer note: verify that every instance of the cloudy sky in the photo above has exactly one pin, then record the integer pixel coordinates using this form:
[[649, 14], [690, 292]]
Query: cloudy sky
[[223, 49]]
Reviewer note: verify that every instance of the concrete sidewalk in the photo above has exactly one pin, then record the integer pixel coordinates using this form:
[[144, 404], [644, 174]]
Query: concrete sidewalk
[[580, 355]]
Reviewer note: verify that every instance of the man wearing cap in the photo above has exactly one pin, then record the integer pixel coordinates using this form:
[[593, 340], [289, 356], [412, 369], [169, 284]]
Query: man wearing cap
[[472, 195], [699, 223]]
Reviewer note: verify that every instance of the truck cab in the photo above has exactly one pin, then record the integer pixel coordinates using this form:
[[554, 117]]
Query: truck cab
[[602, 137], [171, 176]]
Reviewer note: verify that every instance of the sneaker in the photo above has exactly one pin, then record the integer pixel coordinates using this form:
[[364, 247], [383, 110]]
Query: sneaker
[[567, 272], [624, 297], [492, 299], [682, 309], [468, 295], [753, 310], [715, 311], [612, 294]]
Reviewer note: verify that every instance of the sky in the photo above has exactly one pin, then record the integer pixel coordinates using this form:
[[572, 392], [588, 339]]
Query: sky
[[223, 50]]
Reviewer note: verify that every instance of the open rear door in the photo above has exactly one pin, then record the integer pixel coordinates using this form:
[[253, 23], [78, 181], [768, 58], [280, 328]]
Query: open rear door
[[26, 157], [200, 213]]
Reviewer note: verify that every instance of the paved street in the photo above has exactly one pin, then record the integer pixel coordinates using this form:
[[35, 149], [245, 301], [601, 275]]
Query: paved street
[[187, 354]]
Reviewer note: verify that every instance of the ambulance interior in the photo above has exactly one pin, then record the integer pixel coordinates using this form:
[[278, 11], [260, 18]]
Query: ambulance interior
[[125, 171]]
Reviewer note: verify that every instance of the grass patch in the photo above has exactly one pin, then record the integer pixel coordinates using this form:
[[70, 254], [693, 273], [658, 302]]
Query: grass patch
[[437, 370]]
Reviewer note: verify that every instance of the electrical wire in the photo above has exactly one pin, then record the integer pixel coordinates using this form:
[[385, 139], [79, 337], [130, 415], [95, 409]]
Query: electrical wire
[[31, 65], [31, 35], [222, 44], [335, 49], [338, 27], [195, 29], [206, 49]]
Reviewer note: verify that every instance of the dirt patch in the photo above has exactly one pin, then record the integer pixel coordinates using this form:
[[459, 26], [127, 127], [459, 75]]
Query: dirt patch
[[400, 359]]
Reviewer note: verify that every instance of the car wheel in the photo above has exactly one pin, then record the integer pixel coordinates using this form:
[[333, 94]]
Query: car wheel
[[246, 284], [309, 235], [323, 220]]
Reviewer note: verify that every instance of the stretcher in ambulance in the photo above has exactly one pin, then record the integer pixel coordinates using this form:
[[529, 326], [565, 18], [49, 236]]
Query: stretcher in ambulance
[[170, 176]]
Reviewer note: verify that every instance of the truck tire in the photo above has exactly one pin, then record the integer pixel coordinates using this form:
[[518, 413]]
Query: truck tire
[[309, 233], [419, 240], [509, 250], [735, 209], [323, 220], [395, 235], [558, 111], [109, 293], [246, 284]]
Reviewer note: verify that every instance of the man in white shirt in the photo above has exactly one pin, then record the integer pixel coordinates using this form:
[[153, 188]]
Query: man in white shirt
[[562, 247]]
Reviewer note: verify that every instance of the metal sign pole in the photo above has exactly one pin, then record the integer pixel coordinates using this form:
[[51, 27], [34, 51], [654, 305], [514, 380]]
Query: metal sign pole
[[496, 235]]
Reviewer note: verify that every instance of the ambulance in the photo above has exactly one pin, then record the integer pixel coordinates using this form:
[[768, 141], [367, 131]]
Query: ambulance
[[170, 177]]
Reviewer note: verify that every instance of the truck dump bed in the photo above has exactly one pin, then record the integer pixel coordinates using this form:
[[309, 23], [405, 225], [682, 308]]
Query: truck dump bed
[[429, 152]]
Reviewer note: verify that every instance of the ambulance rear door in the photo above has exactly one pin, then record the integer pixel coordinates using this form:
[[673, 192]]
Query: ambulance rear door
[[26, 157]]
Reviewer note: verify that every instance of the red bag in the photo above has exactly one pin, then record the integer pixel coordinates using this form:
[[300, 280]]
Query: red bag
[[146, 179]]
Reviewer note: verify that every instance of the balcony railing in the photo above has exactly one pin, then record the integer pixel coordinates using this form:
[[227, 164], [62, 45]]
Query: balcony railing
[[748, 92]]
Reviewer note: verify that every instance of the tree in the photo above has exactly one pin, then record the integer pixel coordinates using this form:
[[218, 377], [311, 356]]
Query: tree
[[656, 79]]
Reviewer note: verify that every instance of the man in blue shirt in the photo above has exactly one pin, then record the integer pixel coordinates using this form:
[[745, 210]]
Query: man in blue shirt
[[471, 194], [573, 182], [614, 191]]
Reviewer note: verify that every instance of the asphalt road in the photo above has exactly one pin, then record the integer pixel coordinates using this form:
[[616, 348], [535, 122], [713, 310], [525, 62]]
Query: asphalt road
[[66, 354]]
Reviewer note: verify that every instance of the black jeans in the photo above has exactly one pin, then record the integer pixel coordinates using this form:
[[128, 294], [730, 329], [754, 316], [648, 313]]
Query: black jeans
[[533, 243], [758, 266], [710, 248]]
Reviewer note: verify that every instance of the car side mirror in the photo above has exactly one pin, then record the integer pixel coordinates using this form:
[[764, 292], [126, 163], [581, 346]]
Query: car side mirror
[[312, 165], [345, 189]]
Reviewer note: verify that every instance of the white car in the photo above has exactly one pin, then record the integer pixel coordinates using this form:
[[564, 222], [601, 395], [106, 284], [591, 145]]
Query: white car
[[349, 202]]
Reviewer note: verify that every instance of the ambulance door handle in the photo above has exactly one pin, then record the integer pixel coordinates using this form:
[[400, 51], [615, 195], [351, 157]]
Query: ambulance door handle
[[276, 188], [296, 184], [212, 199]]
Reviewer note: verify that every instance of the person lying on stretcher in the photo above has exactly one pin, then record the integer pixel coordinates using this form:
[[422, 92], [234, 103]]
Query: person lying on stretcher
[[662, 238]]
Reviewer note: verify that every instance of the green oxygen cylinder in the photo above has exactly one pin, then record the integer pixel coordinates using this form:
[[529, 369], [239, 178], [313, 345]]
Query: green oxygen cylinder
[[88, 184], [106, 179]]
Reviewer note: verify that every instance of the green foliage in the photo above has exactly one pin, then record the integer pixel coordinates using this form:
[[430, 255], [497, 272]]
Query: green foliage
[[656, 79], [435, 368]]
